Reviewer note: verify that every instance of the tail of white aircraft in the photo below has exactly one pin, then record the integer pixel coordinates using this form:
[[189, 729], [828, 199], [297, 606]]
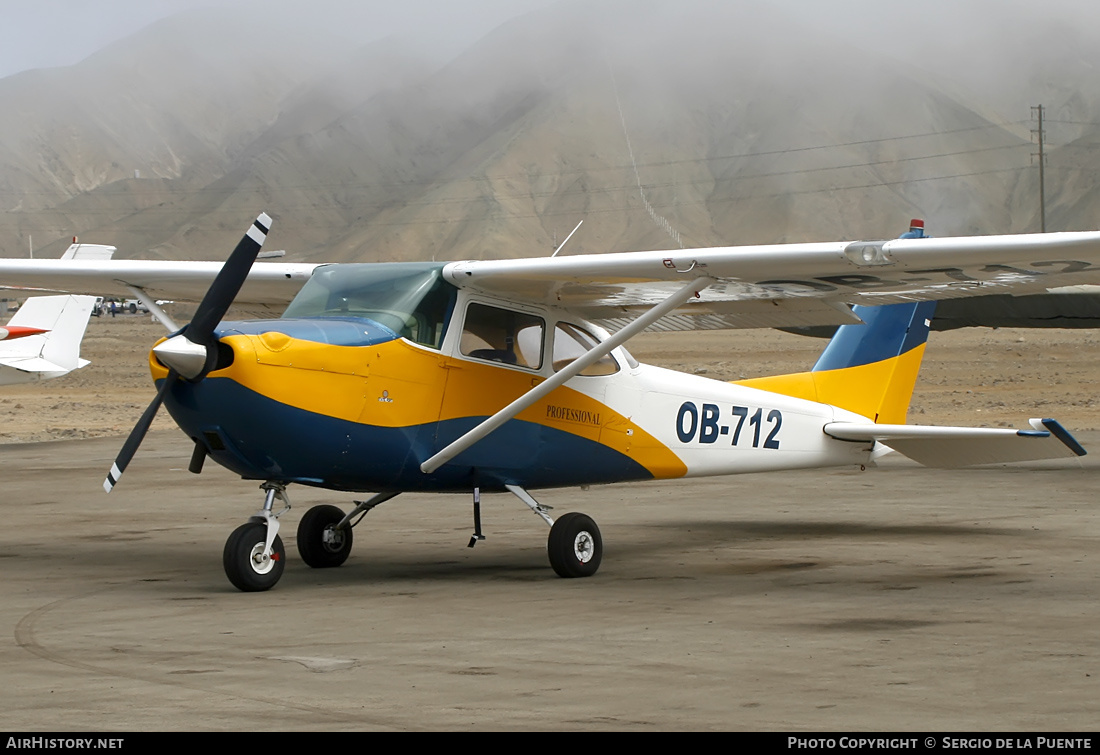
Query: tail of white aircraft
[[52, 353], [88, 251]]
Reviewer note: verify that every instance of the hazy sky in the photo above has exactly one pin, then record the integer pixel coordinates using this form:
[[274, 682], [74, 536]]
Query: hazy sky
[[48, 33], [990, 44]]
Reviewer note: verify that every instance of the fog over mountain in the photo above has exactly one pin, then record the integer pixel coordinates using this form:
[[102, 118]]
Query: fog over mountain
[[657, 123]]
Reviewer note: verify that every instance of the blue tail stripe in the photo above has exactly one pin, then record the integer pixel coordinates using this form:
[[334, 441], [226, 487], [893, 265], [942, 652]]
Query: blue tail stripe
[[886, 332]]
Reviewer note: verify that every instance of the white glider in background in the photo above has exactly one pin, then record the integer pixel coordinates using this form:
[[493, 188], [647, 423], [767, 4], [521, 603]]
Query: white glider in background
[[42, 341]]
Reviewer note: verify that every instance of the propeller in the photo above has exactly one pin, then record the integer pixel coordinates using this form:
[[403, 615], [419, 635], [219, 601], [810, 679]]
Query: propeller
[[193, 352]]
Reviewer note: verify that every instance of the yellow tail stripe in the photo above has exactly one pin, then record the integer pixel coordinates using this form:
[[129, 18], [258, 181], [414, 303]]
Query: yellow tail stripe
[[880, 391]]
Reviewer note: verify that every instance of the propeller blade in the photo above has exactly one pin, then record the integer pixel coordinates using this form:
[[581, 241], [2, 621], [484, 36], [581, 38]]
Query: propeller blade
[[228, 282], [130, 447], [192, 352]]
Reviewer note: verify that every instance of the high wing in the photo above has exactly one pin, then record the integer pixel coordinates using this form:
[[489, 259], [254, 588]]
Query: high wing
[[788, 285], [269, 284], [766, 286]]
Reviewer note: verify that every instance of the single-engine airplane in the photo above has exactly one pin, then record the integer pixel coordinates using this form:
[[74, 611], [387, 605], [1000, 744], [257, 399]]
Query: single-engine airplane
[[511, 375]]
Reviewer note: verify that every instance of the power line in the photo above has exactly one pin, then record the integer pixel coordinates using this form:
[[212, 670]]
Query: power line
[[1072, 123], [210, 192], [376, 222], [588, 170]]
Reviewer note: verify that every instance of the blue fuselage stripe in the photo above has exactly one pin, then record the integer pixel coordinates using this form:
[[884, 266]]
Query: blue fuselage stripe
[[260, 438]]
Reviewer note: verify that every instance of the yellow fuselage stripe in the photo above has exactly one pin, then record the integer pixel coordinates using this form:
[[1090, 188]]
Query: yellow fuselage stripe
[[396, 384]]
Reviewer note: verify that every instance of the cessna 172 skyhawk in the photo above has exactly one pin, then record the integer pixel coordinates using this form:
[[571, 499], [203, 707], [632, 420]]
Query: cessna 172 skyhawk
[[511, 375]]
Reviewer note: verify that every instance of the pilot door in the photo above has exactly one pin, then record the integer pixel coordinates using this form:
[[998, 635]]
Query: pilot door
[[495, 358]]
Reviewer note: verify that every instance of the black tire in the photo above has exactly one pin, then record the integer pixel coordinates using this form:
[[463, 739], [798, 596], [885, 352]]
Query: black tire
[[311, 538], [133, 308], [243, 571], [575, 546]]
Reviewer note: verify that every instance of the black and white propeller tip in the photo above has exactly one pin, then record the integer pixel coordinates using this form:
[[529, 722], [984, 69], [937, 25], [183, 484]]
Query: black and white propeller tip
[[193, 352]]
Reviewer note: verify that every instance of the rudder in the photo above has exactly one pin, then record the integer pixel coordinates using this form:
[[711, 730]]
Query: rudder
[[869, 368]]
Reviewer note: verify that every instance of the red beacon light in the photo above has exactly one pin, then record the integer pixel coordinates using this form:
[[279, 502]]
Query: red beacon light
[[916, 229]]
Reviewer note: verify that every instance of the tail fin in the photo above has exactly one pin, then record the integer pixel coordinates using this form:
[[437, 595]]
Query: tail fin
[[868, 368], [88, 251], [52, 353]]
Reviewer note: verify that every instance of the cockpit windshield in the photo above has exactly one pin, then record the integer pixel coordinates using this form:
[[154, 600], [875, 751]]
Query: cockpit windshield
[[409, 298]]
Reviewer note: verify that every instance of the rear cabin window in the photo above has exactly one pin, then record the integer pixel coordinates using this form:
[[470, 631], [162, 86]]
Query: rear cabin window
[[572, 342], [501, 335]]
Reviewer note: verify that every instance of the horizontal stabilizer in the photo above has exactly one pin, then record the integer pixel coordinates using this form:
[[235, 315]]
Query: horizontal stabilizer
[[35, 364], [953, 447]]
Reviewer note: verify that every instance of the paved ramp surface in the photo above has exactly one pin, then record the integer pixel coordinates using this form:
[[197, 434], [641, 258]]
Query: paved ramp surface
[[894, 599]]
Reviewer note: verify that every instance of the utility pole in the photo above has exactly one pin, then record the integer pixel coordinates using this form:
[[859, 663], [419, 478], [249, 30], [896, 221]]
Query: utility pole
[[1038, 110]]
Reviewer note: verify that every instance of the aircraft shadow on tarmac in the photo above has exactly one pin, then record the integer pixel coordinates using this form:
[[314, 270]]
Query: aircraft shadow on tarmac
[[646, 551]]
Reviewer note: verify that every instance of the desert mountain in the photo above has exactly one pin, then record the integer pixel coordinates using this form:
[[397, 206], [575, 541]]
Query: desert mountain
[[659, 124]]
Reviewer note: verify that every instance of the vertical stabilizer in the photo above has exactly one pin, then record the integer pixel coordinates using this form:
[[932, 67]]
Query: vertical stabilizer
[[868, 368], [62, 345], [53, 352], [88, 251]]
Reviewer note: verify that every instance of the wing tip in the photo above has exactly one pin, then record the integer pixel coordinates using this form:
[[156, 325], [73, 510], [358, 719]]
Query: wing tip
[[1063, 435]]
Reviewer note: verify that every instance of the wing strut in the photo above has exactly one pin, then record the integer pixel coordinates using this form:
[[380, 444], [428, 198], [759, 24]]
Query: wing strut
[[545, 387], [153, 307]]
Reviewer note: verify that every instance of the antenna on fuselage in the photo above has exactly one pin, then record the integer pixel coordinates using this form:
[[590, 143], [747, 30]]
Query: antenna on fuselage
[[555, 254]]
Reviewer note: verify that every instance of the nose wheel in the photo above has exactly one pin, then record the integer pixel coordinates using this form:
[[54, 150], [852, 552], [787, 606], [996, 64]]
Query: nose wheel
[[248, 562], [254, 556]]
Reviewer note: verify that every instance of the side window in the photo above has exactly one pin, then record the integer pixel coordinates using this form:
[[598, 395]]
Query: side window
[[571, 342], [501, 335]]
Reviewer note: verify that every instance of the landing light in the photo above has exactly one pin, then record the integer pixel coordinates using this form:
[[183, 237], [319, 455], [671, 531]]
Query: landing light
[[865, 253]]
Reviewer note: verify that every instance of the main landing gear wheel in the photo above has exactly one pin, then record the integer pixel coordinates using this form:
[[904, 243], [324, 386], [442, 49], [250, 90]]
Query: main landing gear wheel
[[320, 544], [575, 546], [246, 565]]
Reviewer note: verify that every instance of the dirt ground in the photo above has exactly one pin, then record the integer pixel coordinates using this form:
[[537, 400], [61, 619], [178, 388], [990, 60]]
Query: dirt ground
[[896, 599], [974, 376]]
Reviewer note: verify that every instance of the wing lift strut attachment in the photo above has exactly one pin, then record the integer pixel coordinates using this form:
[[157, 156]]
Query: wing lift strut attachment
[[575, 546], [153, 307], [542, 389]]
